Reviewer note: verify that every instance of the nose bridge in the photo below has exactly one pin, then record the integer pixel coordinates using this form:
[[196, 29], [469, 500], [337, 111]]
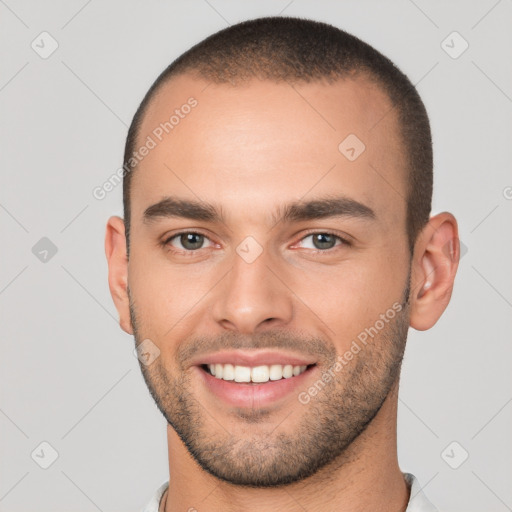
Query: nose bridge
[[251, 295]]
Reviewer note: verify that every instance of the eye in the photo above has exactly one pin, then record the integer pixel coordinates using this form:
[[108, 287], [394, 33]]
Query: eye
[[322, 241], [188, 241]]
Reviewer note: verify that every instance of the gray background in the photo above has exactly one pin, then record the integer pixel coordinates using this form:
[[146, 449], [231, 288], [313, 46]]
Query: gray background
[[68, 374]]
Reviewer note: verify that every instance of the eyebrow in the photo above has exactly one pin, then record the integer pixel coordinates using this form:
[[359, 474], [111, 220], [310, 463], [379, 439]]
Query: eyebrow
[[185, 208], [320, 208], [323, 208]]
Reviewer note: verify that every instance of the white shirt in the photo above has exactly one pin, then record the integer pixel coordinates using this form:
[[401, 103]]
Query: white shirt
[[417, 502]]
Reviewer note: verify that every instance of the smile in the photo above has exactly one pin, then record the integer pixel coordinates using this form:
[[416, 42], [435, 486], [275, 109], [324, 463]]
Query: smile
[[255, 386], [256, 374]]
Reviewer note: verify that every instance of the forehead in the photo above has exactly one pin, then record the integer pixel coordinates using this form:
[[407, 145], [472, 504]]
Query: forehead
[[267, 142]]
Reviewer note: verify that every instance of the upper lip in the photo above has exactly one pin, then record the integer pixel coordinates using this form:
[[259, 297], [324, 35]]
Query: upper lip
[[252, 358]]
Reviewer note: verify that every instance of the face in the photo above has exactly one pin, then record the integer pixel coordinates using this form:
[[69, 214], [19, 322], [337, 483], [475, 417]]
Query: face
[[267, 253]]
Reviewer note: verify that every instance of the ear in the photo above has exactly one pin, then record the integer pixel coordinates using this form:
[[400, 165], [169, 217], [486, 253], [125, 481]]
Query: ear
[[435, 262], [115, 250]]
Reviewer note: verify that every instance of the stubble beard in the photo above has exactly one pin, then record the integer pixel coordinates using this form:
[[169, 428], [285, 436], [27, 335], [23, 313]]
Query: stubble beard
[[262, 452]]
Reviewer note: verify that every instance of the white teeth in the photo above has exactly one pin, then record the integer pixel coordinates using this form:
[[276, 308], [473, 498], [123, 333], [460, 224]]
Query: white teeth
[[242, 373], [288, 371], [260, 374], [276, 372], [228, 372]]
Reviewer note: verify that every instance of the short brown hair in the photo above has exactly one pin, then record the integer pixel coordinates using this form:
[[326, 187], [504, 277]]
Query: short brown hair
[[301, 50]]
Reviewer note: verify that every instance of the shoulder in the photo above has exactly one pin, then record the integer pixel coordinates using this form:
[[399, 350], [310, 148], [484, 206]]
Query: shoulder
[[418, 502], [154, 503]]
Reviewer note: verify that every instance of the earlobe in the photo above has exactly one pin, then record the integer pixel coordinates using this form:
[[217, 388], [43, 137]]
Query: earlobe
[[435, 262], [115, 250]]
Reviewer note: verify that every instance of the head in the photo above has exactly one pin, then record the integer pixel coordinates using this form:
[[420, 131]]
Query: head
[[282, 208]]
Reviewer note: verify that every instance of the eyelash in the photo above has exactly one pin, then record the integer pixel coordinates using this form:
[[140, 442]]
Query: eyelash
[[166, 242], [344, 241], [183, 252]]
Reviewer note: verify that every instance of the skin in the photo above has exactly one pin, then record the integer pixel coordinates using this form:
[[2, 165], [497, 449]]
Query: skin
[[250, 150]]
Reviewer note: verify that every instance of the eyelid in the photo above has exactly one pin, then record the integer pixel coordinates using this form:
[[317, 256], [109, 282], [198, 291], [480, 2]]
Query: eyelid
[[345, 239], [167, 239]]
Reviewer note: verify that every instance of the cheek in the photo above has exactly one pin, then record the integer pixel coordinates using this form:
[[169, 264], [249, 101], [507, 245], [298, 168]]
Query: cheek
[[167, 298], [349, 299]]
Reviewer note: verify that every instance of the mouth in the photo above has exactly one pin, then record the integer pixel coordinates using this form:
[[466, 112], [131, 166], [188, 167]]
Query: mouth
[[256, 374], [254, 381]]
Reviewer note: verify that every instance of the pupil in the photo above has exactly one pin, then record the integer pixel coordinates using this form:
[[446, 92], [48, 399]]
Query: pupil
[[191, 240], [323, 241]]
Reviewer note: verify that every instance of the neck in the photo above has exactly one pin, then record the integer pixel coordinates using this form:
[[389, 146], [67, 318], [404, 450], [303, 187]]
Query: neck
[[366, 477]]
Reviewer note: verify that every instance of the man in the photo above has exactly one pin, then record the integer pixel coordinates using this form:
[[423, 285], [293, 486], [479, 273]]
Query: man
[[276, 246]]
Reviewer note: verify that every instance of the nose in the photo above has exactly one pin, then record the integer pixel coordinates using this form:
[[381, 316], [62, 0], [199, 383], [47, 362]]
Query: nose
[[253, 297]]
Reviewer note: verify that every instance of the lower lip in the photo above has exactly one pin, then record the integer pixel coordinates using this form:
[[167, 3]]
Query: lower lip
[[254, 395]]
